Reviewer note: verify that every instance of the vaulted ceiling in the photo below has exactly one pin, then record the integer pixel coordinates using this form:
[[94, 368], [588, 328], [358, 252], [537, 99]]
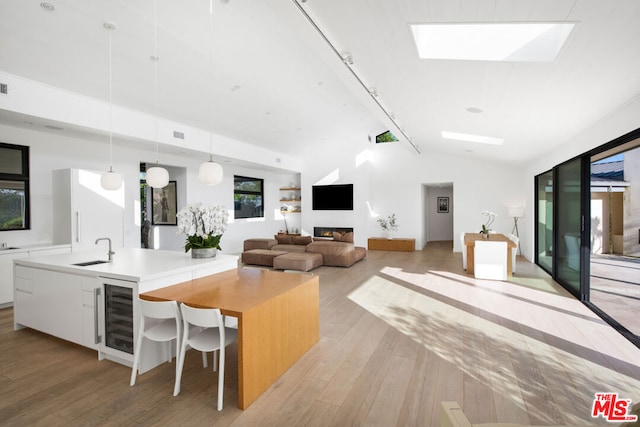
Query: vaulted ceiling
[[271, 72]]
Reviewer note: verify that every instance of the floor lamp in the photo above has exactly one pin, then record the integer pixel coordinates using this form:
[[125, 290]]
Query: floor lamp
[[515, 213]]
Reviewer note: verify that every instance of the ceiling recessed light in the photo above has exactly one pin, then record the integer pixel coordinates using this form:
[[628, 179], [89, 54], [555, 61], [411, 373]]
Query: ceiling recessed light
[[474, 110], [47, 6], [517, 42], [472, 138]]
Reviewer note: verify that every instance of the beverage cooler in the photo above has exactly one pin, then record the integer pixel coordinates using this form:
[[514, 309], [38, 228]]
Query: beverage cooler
[[117, 320], [118, 324]]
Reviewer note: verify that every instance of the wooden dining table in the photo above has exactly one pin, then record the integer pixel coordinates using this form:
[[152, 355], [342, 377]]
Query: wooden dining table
[[470, 240], [278, 319]]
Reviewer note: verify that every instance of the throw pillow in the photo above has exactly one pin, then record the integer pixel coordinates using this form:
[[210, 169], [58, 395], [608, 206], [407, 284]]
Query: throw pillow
[[343, 237], [348, 237]]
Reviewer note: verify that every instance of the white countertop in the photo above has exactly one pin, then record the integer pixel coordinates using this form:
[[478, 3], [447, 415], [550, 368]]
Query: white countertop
[[132, 264], [30, 248]]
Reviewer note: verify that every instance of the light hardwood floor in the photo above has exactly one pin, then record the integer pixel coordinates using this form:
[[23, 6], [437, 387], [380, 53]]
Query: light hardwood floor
[[400, 332]]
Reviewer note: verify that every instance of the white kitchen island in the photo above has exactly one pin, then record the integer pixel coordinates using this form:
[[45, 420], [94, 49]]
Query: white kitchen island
[[95, 305]]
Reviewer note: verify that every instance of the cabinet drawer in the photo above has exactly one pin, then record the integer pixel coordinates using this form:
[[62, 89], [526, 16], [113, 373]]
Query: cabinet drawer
[[24, 272], [87, 298], [24, 285]]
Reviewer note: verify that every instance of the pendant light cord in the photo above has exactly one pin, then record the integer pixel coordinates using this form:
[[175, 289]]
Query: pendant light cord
[[155, 71], [211, 77], [110, 102]]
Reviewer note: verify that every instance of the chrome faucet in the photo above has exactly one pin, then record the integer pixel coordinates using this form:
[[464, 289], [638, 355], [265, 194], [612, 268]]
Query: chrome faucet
[[110, 253]]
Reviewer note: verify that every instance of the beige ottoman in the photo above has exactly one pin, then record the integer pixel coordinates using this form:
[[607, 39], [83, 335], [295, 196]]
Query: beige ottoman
[[300, 261], [261, 256]]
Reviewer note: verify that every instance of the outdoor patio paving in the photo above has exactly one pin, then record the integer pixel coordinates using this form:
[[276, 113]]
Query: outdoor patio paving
[[615, 288]]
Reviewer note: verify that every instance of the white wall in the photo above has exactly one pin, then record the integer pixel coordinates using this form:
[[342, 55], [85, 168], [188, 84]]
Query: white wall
[[49, 152], [390, 178], [343, 161]]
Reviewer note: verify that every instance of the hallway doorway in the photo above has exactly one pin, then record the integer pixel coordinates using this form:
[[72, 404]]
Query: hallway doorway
[[438, 208]]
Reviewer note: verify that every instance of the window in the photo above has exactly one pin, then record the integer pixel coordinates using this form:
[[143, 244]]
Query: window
[[14, 187], [248, 195]]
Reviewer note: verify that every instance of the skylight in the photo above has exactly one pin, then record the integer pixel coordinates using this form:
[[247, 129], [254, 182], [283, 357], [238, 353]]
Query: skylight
[[472, 138], [516, 42]]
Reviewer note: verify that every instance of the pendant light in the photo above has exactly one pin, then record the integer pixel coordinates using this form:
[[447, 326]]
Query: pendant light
[[210, 173], [156, 176], [110, 180]]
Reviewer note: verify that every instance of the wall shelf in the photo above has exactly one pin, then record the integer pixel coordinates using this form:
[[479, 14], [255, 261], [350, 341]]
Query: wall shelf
[[286, 200]]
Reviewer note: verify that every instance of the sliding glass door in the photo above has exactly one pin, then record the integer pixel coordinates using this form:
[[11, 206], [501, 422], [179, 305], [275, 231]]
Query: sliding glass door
[[588, 231], [544, 221], [559, 225], [569, 226]]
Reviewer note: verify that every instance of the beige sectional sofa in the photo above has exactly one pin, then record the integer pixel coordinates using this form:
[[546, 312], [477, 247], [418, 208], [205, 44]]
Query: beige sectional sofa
[[311, 253]]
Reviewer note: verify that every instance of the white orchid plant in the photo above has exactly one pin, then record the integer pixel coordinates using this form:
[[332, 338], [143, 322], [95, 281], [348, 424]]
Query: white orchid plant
[[491, 216], [389, 223], [204, 225]]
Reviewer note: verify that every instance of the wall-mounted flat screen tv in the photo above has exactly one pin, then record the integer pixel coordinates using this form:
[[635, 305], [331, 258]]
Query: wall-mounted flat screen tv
[[337, 197]]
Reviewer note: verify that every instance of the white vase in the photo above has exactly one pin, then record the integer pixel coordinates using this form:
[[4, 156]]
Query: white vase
[[203, 252], [389, 234]]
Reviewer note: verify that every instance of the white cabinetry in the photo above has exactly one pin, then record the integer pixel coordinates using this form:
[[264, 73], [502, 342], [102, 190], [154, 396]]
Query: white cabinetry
[[6, 268], [91, 294], [96, 307], [50, 301], [84, 211], [6, 276]]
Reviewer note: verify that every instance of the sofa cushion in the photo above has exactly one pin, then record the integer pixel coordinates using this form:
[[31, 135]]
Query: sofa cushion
[[300, 261], [302, 240], [339, 254], [290, 248], [250, 244], [261, 256], [284, 239]]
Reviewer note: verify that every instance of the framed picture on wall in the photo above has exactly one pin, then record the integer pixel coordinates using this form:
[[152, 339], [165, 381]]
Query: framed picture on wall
[[164, 206], [443, 205]]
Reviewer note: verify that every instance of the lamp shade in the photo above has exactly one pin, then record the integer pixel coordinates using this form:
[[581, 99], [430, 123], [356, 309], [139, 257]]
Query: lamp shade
[[516, 212], [157, 177], [111, 181], [210, 173]]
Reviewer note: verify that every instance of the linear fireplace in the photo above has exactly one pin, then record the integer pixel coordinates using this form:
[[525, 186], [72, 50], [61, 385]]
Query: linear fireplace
[[328, 231]]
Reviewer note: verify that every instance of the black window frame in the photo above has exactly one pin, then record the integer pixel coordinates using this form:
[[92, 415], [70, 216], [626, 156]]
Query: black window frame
[[21, 177], [240, 213]]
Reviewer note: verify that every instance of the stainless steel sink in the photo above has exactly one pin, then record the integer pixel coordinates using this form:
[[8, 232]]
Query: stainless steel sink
[[87, 263]]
